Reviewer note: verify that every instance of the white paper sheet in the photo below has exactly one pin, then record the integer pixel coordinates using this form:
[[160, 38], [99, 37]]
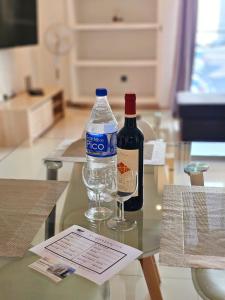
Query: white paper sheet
[[158, 149], [94, 256]]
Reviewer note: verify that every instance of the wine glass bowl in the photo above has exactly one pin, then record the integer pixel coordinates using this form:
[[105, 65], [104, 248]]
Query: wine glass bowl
[[96, 181]]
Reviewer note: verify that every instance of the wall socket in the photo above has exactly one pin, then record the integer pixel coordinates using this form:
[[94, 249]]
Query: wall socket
[[123, 78]]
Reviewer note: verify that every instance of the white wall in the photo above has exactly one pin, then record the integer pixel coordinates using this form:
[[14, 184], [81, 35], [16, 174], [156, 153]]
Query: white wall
[[168, 15], [36, 61], [52, 11], [16, 63]]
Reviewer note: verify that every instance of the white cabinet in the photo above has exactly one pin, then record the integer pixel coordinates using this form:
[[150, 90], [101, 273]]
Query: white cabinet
[[116, 46], [40, 119], [26, 118]]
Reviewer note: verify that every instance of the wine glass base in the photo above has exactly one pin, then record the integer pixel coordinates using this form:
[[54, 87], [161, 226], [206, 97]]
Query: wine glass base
[[98, 213], [118, 225]]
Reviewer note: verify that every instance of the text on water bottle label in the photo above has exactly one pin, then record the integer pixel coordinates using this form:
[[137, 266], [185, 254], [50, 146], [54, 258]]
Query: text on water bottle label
[[101, 144]]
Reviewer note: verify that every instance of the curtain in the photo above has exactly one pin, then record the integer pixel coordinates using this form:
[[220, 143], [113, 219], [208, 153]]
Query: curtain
[[184, 50]]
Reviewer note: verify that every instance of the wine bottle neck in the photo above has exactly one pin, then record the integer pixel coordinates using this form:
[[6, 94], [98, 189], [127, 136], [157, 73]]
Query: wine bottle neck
[[130, 121]]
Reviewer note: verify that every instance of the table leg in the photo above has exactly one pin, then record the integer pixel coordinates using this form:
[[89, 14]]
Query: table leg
[[52, 169], [152, 277], [52, 174]]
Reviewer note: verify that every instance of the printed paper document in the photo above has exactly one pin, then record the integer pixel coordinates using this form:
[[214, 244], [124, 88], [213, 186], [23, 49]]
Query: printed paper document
[[93, 256]]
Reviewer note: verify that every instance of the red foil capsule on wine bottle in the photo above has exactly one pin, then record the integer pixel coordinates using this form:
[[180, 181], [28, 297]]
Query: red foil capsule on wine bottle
[[130, 104]]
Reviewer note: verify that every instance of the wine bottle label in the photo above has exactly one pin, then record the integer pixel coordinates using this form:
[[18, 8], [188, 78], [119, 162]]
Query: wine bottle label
[[101, 144], [127, 163]]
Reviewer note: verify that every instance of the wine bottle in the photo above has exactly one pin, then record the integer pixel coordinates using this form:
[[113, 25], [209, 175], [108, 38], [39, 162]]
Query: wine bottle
[[130, 141]]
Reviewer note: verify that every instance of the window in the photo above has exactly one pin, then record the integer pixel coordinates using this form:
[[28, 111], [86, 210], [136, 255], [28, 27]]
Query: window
[[209, 59]]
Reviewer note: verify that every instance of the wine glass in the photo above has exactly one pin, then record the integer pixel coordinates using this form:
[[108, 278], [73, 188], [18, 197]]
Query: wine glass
[[119, 222], [96, 180]]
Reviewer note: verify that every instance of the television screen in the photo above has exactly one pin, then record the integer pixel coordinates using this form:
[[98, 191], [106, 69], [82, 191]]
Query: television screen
[[18, 23]]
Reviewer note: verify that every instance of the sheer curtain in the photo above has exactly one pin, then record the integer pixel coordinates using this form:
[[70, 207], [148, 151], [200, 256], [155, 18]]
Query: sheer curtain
[[185, 45]]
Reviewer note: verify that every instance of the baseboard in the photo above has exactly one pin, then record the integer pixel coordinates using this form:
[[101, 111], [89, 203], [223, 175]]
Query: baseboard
[[116, 106]]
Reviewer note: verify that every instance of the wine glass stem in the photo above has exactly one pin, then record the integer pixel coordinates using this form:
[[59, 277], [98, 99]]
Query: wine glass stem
[[119, 208], [122, 212], [98, 200]]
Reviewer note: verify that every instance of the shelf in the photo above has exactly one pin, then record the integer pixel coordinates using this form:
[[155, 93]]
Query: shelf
[[115, 63], [122, 56], [117, 100], [117, 26]]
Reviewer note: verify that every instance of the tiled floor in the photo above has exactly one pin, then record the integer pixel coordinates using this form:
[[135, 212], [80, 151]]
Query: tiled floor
[[4, 152], [26, 162]]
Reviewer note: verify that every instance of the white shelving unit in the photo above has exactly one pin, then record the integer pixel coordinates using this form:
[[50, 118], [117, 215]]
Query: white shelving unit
[[121, 56], [115, 63], [116, 26]]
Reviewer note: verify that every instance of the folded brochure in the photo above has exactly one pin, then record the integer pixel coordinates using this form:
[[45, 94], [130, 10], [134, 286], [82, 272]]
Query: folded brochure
[[53, 269], [90, 255]]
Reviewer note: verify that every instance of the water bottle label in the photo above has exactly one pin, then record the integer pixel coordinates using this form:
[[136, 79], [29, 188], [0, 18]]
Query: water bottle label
[[101, 145]]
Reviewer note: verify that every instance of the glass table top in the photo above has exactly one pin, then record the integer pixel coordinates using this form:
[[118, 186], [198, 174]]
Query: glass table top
[[28, 284], [145, 236]]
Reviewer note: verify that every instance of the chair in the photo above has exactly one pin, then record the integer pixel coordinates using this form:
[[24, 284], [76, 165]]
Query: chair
[[146, 128], [209, 283]]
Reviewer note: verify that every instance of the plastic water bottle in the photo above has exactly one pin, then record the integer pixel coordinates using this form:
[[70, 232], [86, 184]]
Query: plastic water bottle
[[101, 136]]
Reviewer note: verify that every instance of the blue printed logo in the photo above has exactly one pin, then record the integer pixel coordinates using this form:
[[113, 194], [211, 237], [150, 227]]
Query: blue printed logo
[[101, 145]]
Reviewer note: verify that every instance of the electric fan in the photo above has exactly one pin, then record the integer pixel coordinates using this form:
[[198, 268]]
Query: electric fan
[[59, 41]]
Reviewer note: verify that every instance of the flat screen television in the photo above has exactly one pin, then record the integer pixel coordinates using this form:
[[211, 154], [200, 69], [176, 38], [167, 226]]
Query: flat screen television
[[18, 23]]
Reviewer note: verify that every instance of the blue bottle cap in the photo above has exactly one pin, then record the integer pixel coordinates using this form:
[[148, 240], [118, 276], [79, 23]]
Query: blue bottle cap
[[101, 92]]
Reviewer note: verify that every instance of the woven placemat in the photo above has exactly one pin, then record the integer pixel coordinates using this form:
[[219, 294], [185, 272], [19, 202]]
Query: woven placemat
[[24, 206], [193, 227]]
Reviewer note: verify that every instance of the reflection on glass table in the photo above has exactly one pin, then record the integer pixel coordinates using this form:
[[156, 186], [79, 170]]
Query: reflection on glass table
[[96, 180]]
